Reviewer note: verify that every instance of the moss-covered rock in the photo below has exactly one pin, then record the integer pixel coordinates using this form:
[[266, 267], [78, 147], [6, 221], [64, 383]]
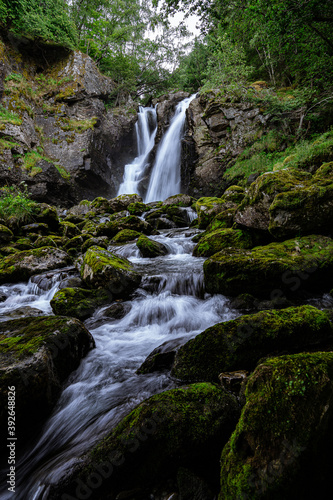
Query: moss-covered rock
[[102, 242], [131, 222], [137, 208], [126, 235], [239, 344], [48, 215], [207, 208], [69, 230], [182, 427], [272, 270], [219, 239], [78, 302], [101, 205], [6, 234], [39, 228], [149, 248], [36, 356], [25, 244], [180, 200], [22, 265], [101, 268], [281, 447], [45, 241]]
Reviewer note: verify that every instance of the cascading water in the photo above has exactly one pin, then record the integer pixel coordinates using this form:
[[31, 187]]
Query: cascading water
[[145, 128], [169, 306], [165, 176]]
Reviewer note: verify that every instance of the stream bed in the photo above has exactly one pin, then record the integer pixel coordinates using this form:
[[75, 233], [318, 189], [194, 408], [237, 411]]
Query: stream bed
[[170, 305]]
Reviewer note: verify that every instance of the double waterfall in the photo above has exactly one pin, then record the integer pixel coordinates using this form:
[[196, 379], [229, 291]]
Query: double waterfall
[[165, 175]]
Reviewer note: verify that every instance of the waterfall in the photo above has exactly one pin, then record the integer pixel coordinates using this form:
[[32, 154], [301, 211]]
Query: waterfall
[[134, 171], [165, 177]]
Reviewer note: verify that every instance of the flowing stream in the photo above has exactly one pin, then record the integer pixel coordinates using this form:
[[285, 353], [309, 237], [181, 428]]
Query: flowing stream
[[170, 306]]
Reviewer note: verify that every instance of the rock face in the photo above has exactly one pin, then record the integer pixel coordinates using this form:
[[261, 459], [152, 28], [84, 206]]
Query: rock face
[[281, 447], [184, 427], [36, 356], [60, 140], [239, 344], [101, 268], [273, 270], [213, 124]]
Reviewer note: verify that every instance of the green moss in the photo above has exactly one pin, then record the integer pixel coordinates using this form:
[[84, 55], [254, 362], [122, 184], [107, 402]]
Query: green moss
[[219, 239], [137, 208], [78, 126], [282, 421], [9, 117], [239, 344], [126, 235], [285, 268], [78, 303]]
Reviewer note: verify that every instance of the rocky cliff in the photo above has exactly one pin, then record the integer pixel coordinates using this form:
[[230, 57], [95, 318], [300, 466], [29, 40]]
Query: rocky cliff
[[56, 133]]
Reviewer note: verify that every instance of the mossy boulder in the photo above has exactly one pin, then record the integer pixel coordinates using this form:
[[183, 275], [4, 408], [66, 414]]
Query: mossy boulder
[[123, 201], [101, 268], [131, 222], [137, 208], [39, 228], [240, 343], [48, 215], [253, 212], [181, 427], [207, 208], [305, 209], [45, 241], [69, 230], [282, 445], [220, 239], [149, 248], [36, 356], [101, 205], [126, 235], [22, 265], [273, 270], [6, 234], [102, 241], [78, 302], [180, 200], [25, 244]]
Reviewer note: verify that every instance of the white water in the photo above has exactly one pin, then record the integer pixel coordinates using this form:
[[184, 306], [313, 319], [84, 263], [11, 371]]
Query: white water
[[165, 176], [145, 128], [169, 305]]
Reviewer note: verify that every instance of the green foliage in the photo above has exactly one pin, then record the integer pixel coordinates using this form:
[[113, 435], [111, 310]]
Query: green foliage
[[48, 21], [16, 202], [8, 117]]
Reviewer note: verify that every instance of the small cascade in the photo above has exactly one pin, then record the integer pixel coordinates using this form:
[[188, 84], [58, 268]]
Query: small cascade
[[165, 177], [146, 128]]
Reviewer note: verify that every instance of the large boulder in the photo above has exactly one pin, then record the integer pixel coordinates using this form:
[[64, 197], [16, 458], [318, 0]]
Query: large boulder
[[149, 248], [36, 356], [282, 445], [272, 270], [101, 268], [240, 343], [22, 265], [181, 427]]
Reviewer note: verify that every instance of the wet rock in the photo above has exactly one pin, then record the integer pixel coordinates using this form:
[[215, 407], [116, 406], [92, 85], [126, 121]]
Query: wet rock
[[126, 235], [78, 302], [131, 222], [233, 381], [72, 282], [239, 344], [36, 356], [22, 312], [162, 357], [149, 248], [47, 281], [281, 447], [102, 242], [101, 268], [181, 427], [274, 270], [116, 311], [3, 297], [22, 265]]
